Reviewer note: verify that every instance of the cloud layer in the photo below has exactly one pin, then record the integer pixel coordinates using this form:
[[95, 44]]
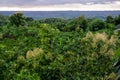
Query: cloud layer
[[29, 3], [60, 4]]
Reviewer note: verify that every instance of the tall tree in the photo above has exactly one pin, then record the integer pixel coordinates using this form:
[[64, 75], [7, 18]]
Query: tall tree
[[82, 22], [109, 19], [17, 19], [96, 25], [117, 20]]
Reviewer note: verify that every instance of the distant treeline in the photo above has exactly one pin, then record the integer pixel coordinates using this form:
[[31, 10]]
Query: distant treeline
[[64, 14]]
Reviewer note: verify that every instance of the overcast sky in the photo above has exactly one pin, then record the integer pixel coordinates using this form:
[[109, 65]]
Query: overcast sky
[[53, 5]]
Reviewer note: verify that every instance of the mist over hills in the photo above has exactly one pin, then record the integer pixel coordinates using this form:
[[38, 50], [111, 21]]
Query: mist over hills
[[64, 14]]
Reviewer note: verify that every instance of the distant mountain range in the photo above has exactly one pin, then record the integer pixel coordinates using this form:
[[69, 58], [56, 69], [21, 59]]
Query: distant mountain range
[[64, 14]]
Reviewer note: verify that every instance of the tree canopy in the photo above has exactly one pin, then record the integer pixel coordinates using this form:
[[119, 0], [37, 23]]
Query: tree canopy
[[17, 19], [59, 49]]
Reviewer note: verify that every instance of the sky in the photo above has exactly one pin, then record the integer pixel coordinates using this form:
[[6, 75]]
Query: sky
[[59, 5]]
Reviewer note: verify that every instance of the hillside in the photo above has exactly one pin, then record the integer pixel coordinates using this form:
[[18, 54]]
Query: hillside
[[58, 49]]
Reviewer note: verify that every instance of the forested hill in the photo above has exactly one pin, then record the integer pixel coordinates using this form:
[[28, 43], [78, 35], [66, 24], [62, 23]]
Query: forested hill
[[59, 49], [64, 14]]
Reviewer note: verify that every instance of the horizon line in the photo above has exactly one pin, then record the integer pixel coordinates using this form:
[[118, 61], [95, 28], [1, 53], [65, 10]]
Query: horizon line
[[59, 10]]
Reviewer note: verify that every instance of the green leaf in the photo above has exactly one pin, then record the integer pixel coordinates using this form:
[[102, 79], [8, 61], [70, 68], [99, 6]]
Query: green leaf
[[117, 54]]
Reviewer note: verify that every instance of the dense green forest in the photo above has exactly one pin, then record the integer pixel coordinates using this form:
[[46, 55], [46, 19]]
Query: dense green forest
[[58, 49]]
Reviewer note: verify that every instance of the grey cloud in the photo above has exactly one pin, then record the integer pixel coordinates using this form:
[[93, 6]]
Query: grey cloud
[[29, 3]]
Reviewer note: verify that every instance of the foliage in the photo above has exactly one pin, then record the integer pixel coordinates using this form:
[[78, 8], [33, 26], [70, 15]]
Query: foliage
[[117, 20], [58, 49], [3, 20], [80, 22], [17, 19], [109, 19], [26, 75], [96, 25]]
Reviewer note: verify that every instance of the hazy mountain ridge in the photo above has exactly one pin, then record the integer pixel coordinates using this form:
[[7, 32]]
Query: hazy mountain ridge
[[64, 14]]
